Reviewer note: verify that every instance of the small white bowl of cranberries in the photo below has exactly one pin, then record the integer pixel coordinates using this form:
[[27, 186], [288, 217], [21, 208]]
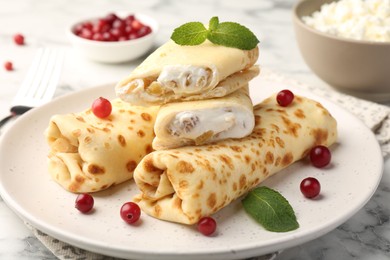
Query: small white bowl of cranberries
[[114, 38]]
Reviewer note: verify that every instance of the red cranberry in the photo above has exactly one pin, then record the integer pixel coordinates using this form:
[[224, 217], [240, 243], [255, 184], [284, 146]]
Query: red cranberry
[[8, 65], [320, 156], [84, 202], [310, 187], [207, 226], [136, 25], [101, 107], [130, 212], [284, 97], [19, 39], [111, 17]]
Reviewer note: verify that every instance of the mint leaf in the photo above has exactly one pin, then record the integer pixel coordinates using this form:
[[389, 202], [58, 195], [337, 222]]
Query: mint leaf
[[269, 208], [213, 24], [234, 35], [228, 34], [192, 33]]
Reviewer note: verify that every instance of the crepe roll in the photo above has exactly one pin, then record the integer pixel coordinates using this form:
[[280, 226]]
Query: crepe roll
[[89, 154], [174, 72], [185, 184], [204, 121]]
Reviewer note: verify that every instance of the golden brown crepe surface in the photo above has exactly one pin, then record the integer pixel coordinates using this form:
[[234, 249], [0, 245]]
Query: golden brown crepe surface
[[89, 154], [184, 184]]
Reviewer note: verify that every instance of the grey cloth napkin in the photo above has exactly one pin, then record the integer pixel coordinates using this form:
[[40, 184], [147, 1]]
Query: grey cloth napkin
[[374, 115]]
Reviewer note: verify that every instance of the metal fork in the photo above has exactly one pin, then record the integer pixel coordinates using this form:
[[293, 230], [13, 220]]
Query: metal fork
[[40, 83]]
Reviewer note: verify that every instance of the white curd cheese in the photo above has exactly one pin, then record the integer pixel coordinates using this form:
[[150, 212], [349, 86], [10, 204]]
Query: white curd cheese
[[355, 19]]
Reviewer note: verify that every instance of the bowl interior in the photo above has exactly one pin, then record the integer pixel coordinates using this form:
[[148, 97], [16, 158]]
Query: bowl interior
[[307, 7]]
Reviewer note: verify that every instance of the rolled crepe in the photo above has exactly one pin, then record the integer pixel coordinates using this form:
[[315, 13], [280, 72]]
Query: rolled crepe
[[89, 154], [204, 121], [182, 185], [175, 72]]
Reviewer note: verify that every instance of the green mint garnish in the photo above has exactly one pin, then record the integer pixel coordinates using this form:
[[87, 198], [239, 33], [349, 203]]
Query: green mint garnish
[[270, 209], [228, 34]]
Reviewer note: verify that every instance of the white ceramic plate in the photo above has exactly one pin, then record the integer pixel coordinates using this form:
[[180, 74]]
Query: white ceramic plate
[[26, 187]]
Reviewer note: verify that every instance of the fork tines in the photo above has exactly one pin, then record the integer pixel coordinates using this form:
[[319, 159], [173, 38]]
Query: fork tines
[[42, 78]]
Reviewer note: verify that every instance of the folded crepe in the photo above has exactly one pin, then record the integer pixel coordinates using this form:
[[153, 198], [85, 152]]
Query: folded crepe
[[182, 185], [89, 154], [204, 121], [174, 72]]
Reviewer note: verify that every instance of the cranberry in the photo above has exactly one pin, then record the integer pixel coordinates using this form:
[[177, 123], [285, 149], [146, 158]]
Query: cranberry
[[86, 33], [8, 65], [144, 31], [284, 97], [129, 19], [207, 226], [130, 212], [310, 187], [320, 156], [111, 17], [84, 202], [97, 37], [136, 25], [101, 107], [19, 39]]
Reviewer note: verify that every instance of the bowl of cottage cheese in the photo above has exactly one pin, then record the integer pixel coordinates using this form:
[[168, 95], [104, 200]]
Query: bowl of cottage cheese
[[346, 43]]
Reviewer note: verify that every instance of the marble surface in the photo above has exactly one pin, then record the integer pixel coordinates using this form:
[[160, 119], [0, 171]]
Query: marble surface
[[365, 236]]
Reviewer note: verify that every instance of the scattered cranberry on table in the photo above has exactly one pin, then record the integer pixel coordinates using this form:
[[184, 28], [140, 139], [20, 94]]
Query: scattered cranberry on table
[[19, 39], [320, 156], [285, 97], [84, 202], [112, 29], [130, 212], [310, 187], [101, 107], [8, 65], [207, 226]]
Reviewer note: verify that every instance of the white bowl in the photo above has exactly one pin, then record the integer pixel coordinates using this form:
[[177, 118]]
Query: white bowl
[[114, 52]]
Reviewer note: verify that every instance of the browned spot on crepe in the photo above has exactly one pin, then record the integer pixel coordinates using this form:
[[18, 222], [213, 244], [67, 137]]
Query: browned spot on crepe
[[131, 165], [227, 160], [122, 140], [278, 160], [76, 133], [146, 116], [200, 185], [90, 130], [236, 148], [184, 167], [279, 141], [242, 181], [292, 128], [87, 139], [80, 118], [149, 166], [79, 179], [234, 186], [157, 211], [269, 158], [107, 130], [95, 169], [183, 184], [247, 159], [149, 148], [299, 113], [212, 200], [320, 135], [287, 159], [177, 202], [141, 133]]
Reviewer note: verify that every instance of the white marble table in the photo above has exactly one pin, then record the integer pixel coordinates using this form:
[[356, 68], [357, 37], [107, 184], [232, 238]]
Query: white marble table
[[365, 236]]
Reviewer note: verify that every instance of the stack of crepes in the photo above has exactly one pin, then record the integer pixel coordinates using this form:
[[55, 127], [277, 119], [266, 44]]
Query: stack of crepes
[[212, 145]]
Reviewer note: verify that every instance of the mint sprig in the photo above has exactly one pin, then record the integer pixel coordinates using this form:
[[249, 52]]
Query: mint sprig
[[270, 209], [228, 34]]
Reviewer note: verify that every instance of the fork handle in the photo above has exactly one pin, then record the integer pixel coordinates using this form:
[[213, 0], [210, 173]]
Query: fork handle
[[19, 110]]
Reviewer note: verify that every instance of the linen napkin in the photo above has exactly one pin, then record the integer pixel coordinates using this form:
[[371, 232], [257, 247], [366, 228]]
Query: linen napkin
[[375, 116]]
